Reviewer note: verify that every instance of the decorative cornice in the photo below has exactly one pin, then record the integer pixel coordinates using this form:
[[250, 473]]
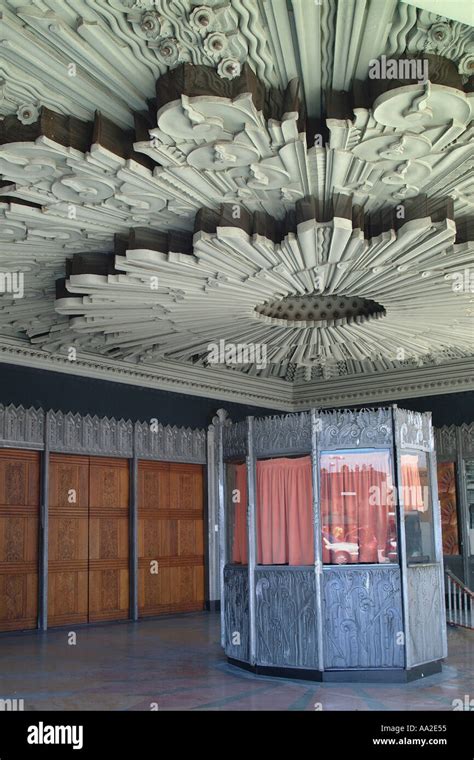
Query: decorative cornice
[[453, 377]]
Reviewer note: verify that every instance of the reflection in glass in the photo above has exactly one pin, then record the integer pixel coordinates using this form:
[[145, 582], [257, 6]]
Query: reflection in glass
[[469, 469], [357, 507], [418, 508]]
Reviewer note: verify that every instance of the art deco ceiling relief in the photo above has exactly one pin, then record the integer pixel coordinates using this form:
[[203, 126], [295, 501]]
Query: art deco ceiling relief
[[294, 178]]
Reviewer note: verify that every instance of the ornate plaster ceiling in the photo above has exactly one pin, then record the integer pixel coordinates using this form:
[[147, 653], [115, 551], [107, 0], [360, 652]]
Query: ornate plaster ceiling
[[123, 121]]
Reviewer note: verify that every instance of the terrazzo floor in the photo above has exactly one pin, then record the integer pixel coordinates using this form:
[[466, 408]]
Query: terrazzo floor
[[176, 663]]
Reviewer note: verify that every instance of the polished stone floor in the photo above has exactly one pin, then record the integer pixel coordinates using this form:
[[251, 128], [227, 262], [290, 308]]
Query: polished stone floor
[[176, 663]]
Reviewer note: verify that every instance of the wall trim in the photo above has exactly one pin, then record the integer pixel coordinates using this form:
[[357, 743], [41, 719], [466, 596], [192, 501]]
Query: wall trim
[[70, 433]]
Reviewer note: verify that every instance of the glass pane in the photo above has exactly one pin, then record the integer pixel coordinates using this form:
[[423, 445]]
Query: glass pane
[[236, 513], [357, 507], [448, 503], [285, 533], [418, 508], [470, 501]]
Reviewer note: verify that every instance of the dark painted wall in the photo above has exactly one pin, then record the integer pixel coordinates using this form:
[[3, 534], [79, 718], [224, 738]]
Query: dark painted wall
[[54, 390]]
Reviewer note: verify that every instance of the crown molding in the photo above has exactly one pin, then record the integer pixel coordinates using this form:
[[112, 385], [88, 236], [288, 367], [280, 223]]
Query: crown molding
[[453, 377], [169, 376], [227, 385]]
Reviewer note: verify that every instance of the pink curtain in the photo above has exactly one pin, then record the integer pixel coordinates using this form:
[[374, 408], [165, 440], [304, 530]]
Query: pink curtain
[[411, 483], [357, 508], [284, 513]]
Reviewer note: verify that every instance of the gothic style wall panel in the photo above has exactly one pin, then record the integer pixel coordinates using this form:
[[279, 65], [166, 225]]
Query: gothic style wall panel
[[362, 617], [345, 428], [426, 613], [235, 439], [21, 427], [286, 617], [155, 441], [445, 442], [236, 612], [289, 434], [414, 430], [89, 435]]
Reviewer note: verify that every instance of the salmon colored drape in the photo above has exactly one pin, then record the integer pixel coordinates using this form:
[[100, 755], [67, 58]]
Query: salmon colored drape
[[356, 502], [284, 513], [411, 484]]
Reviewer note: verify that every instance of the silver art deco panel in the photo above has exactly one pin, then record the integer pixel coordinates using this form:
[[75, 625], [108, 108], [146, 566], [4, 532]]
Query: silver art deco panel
[[234, 438], [155, 441], [236, 612], [426, 613], [467, 440], [286, 618], [363, 624], [100, 436], [445, 442], [345, 428], [287, 434], [21, 427], [414, 430], [89, 435]]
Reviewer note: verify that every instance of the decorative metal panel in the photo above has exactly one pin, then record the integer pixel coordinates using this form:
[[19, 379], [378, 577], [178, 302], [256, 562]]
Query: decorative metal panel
[[234, 439], [362, 617], [20, 426], [346, 428], [414, 430], [236, 612], [286, 617], [426, 613], [467, 440], [285, 434], [170, 443], [79, 434], [445, 442]]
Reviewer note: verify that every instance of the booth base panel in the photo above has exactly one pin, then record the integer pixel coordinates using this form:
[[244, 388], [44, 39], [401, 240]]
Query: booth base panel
[[383, 675]]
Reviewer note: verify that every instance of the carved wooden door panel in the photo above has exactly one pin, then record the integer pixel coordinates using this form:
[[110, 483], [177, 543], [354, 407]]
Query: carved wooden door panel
[[170, 538], [19, 522], [68, 566], [109, 595]]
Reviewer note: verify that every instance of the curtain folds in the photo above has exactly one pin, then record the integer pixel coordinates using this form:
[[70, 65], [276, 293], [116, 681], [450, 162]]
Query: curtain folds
[[357, 510]]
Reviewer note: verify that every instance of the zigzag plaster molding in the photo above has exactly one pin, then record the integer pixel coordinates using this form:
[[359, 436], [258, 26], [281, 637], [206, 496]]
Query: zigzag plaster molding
[[269, 393]]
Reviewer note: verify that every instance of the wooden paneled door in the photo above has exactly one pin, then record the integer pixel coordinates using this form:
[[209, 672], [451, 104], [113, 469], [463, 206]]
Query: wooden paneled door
[[170, 538], [68, 566], [109, 592], [19, 523]]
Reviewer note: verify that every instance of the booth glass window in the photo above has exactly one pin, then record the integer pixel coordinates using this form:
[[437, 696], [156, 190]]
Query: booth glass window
[[284, 515], [469, 469], [418, 508], [447, 495], [236, 512], [358, 508]]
